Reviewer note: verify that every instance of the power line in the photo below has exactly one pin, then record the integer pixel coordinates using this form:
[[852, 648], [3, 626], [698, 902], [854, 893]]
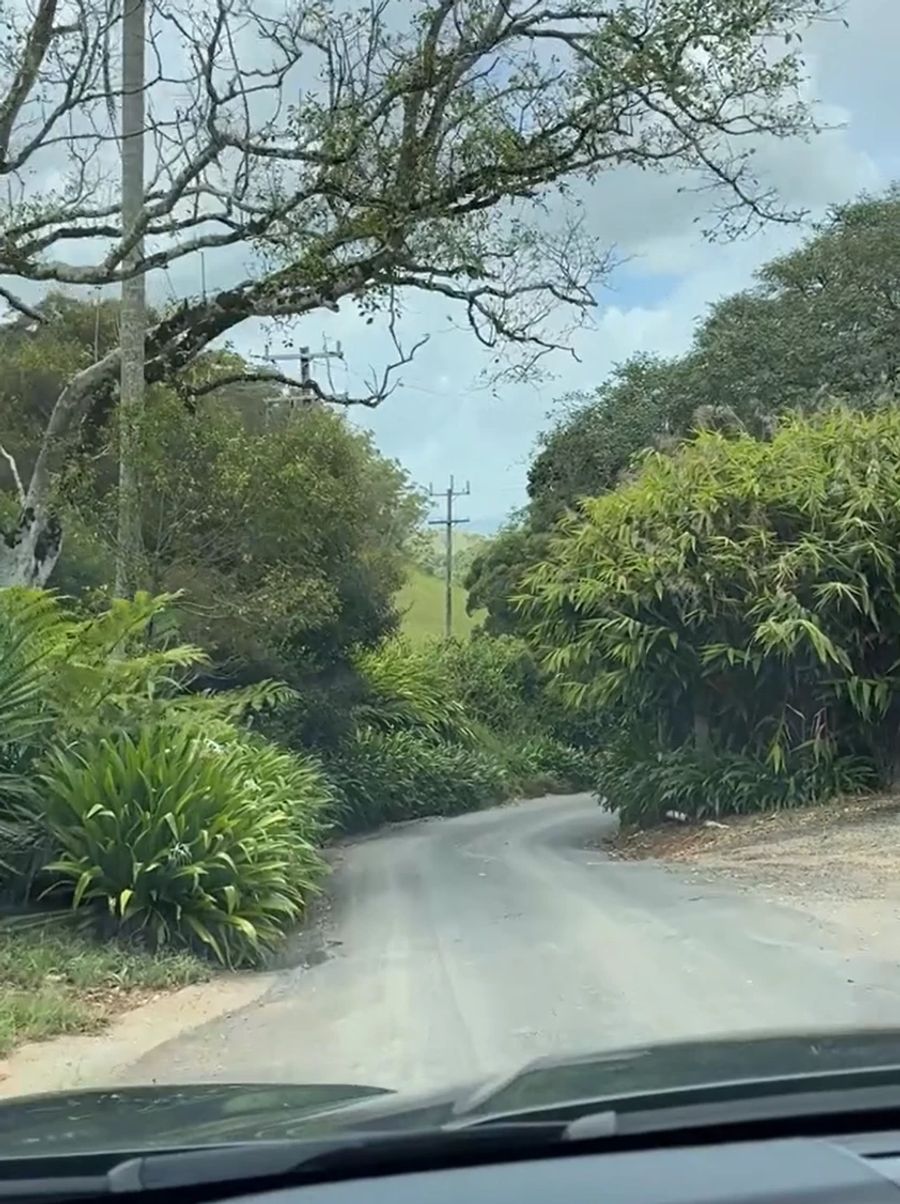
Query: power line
[[448, 522]]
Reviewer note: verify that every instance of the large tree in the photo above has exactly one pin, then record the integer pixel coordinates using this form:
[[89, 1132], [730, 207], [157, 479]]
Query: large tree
[[289, 544], [495, 574], [422, 144], [593, 440], [282, 527], [821, 322]]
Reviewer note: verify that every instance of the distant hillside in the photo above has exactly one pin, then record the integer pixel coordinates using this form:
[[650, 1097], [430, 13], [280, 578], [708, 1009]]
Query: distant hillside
[[421, 603], [429, 553]]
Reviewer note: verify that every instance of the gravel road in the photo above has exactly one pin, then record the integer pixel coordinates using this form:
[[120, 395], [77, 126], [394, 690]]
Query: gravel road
[[458, 948]]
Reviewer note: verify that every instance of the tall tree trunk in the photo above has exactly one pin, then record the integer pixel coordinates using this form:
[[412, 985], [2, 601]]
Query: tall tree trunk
[[30, 549], [701, 729], [133, 317]]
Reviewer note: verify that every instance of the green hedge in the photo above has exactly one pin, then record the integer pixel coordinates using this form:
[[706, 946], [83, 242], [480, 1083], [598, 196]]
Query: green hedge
[[386, 777], [543, 765], [710, 785]]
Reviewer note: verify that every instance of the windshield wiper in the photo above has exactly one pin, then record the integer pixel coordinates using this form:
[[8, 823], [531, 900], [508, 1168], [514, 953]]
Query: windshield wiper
[[268, 1164], [341, 1156]]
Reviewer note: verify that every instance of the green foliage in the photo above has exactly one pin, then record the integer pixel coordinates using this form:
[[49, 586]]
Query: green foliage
[[390, 776], [740, 591], [76, 671], [284, 531], [408, 690], [495, 679], [819, 325], [703, 785], [543, 765], [496, 573], [33, 635], [447, 728], [821, 322], [155, 827], [169, 835], [30, 638], [285, 539], [592, 444], [503, 689]]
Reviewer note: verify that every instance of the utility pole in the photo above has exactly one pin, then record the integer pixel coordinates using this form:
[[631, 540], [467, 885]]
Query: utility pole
[[133, 317], [448, 522], [305, 358]]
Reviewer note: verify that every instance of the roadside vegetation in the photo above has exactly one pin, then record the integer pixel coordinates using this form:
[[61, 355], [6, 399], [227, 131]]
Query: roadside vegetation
[[709, 556], [55, 981]]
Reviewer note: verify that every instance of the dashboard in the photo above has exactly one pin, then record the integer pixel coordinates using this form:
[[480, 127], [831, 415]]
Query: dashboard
[[861, 1170]]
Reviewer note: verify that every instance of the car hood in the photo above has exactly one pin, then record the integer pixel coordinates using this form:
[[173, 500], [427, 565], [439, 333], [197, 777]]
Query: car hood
[[167, 1117]]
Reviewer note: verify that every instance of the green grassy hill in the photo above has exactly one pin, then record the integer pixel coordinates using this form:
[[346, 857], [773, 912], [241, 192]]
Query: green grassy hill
[[430, 552], [421, 603]]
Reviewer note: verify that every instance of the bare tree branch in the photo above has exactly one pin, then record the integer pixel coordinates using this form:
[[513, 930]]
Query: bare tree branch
[[382, 386], [21, 306], [14, 470], [350, 155]]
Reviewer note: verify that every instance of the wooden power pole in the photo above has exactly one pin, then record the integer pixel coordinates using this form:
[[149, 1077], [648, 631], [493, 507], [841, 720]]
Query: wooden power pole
[[448, 522], [133, 317]]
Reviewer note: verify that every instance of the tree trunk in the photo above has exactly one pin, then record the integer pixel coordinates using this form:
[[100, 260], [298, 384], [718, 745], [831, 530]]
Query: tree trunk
[[29, 552], [701, 730]]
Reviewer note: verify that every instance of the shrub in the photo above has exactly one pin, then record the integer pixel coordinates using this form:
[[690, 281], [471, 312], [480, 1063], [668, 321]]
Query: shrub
[[501, 687], [543, 765], [384, 777], [32, 632], [494, 677], [744, 594], [711, 785], [408, 690], [169, 835]]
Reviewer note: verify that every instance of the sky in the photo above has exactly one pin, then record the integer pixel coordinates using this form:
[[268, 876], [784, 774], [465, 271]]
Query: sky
[[441, 422]]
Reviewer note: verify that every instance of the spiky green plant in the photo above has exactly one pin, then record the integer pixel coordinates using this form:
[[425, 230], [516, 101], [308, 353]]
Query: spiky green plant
[[168, 834]]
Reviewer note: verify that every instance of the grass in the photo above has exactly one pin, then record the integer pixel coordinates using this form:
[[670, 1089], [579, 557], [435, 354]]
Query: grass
[[53, 982], [421, 603]]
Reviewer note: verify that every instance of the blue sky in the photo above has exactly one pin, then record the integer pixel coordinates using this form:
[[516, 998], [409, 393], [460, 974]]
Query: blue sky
[[439, 422]]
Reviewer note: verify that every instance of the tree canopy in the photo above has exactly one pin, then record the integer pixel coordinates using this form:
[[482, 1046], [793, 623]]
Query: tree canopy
[[419, 154], [820, 324], [738, 595], [282, 527]]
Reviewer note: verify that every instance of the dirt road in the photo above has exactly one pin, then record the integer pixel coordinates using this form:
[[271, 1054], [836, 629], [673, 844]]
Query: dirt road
[[458, 948]]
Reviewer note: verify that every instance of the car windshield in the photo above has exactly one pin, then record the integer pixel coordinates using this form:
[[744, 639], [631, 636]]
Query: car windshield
[[449, 546]]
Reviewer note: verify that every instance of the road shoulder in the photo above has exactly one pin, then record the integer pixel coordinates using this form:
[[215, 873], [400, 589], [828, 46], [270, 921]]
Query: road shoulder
[[72, 1062], [839, 862]]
